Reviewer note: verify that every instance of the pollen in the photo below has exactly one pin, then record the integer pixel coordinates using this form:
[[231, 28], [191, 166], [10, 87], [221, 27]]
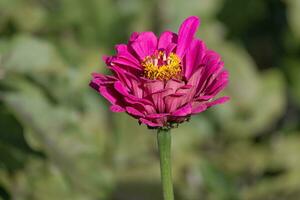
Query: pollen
[[159, 66]]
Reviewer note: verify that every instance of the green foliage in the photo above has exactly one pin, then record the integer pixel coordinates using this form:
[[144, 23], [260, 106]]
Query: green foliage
[[58, 140]]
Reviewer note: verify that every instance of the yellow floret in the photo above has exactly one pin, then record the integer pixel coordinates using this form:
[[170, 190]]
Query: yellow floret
[[170, 69]]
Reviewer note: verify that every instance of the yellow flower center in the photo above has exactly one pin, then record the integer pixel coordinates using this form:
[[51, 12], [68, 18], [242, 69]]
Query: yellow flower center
[[160, 67]]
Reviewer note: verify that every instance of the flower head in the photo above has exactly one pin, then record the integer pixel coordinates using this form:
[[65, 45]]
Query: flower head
[[164, 80]]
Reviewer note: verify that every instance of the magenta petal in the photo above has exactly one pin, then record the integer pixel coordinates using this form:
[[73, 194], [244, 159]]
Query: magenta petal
[[157, 115], [194, 82], [158, 101], [218, 101], [193, 57], [120, 88], [100, 78], [145, 44], [174, 84], [186, 34], [150, 123], [165, 39], [219, 84], [198, 107], [183, 111], [204, 97], [116, 108], [134, 112], [213, 66], [153, 86], [136, 89], [173, 101], [149, 109], [107, 59], [122, 75], [109, 93], [195, 78], [104, 85], [124, 57], [133, 36], [132, 100], [170, 48]]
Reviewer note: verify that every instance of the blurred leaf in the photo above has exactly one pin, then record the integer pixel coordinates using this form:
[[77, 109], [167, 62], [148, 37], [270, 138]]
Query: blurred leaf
[[30, 55], [293, 16]]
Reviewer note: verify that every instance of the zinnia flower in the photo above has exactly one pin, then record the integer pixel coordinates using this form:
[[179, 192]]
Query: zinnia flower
[[162, 81]]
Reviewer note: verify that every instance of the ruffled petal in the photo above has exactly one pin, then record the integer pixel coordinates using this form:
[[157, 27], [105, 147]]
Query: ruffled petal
[[186, 34], [218, 101], [105, 86], [145, 44], [125, 58], [116, 108], [174, 84], [150, 123], [213, 66], [165, 39], [133, 36], [134, 112], [218, 84], [193, 58], [156, 91], [183, 111], [198, 107], [173, 102]]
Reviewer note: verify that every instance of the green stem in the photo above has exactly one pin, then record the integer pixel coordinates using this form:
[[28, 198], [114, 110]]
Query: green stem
[[164, 146]]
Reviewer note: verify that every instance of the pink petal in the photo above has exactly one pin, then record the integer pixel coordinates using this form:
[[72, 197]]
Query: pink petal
[[157, 95], [174, 84], [219, 84], [121, 88], [124, 57], [170, 48], [136, 89], [204, 97], [103, 79], [186, 34], [212, 67], [150, 123], [165, 39], [104, 85], [132, 100], [218, 101], [193, 57], [145, 44], [157, 115], [109, 93], [149, 109], [152, 86], [198, 107], [195, 78], [128, 79], [158, 100], [134, 112], [183, 111], [173, 101], [194, 82], [160, 118], [116, 108], [133, 36]]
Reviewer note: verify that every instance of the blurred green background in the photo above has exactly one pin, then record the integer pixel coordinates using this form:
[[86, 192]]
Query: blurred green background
[[58, 140]]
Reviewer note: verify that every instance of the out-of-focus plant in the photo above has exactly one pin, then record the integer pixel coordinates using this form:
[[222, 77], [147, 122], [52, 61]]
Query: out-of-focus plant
[[52, 138]]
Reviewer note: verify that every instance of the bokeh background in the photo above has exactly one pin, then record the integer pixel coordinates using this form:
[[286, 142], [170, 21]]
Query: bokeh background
[[58, 140]]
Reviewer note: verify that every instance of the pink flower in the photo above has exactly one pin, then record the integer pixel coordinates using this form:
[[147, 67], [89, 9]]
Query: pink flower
[[162, 81]]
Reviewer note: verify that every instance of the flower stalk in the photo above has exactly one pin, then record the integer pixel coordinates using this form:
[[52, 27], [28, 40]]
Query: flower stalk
[[164, 146]]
